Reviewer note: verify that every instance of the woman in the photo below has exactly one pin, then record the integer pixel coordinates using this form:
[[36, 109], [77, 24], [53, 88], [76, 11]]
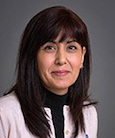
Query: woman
[[50, 97]]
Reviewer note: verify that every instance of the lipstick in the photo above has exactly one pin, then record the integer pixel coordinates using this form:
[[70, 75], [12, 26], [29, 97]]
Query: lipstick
[[60, 72]]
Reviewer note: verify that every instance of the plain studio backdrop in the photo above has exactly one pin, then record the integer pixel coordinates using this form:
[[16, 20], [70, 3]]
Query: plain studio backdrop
[[99, 15]]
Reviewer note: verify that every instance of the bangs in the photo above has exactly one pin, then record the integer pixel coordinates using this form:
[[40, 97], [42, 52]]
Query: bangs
[[61, 21], [67, 29]]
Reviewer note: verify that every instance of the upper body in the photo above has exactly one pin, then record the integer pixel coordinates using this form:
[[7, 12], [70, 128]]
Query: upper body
[[12, 124], [54, 55]]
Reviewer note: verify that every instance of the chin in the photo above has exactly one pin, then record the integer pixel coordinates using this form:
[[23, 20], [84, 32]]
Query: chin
[[62, 87]]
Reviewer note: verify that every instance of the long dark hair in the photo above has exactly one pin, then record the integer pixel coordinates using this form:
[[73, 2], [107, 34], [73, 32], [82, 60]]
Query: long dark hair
[[45, 26]]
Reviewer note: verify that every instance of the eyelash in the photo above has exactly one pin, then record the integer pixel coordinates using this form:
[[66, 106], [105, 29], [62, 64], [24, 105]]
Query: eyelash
[[51, 48], [72, 47], [48, 47]]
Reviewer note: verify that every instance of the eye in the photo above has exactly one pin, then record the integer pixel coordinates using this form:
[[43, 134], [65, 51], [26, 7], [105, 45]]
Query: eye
[[72, 47], [49, 48]]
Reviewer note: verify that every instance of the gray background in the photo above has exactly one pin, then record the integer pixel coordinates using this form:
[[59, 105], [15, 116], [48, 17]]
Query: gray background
[[100, 19]]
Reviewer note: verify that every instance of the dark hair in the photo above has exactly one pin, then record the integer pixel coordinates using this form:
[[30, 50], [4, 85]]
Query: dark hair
[[45, 26]]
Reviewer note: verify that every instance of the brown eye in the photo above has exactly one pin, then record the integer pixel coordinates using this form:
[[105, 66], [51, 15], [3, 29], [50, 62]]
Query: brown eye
[[49, 47], [72, 47]]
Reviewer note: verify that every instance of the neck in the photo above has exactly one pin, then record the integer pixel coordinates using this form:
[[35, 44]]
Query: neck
[[55, 100]]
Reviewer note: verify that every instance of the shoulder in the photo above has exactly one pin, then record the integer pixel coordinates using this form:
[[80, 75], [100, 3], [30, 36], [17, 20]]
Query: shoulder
[[90, 119], [11, 117], [12, 123], [9, 102], [89, 110], [9, 107]]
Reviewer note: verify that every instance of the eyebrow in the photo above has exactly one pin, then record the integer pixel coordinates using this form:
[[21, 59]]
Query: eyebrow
[[70, 41]]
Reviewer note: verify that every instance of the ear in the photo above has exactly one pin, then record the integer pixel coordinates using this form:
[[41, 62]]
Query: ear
[[83, 55]]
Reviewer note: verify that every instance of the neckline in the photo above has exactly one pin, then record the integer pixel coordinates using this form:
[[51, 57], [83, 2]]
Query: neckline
[[55, 101]]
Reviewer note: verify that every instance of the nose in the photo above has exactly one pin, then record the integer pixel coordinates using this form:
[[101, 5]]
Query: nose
[[60, 57]]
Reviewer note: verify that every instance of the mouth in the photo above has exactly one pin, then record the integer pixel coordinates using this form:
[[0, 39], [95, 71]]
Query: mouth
[[60, 72]]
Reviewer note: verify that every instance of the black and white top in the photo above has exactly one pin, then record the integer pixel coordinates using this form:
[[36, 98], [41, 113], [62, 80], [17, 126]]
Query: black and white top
[[12, 123], [56, 103]]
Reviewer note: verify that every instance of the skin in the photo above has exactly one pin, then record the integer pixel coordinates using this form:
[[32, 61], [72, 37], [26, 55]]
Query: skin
[[59, 64]]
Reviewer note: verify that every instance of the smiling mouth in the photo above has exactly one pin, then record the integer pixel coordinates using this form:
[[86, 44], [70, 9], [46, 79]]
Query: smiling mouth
[[60, 72]]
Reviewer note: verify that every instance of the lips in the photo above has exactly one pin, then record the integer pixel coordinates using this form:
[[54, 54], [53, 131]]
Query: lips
[[60, 72]]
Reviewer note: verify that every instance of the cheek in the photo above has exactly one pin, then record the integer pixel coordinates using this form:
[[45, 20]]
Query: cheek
[[76, 62], [76, 66], [44, 65]]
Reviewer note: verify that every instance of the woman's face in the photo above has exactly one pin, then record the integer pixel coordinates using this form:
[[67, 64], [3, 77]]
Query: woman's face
[[59, 64]]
